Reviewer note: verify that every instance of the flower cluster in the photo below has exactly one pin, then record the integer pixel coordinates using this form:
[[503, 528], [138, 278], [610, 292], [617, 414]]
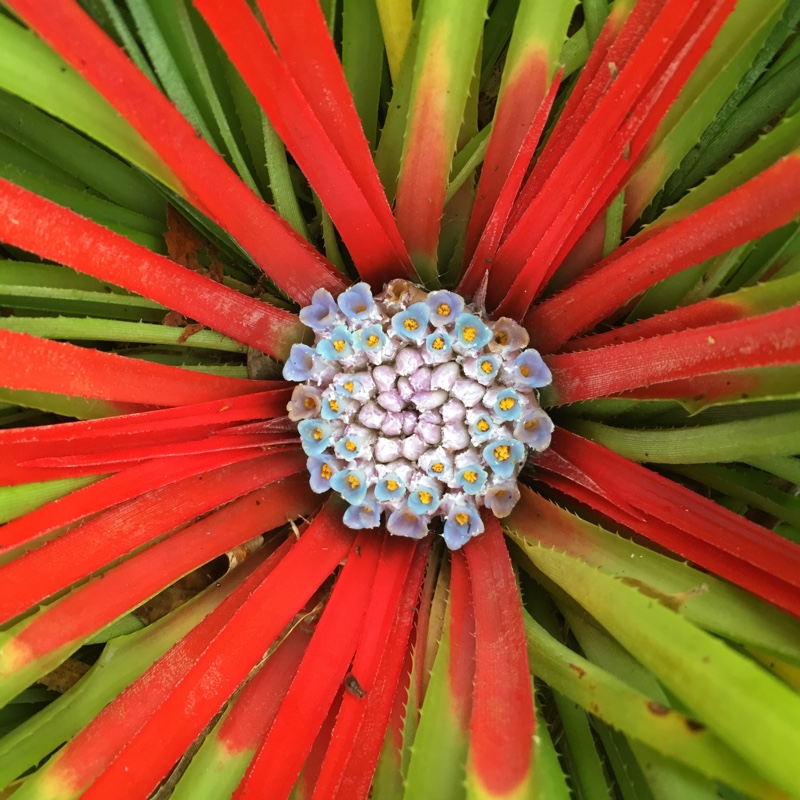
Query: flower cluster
[[415, 405]]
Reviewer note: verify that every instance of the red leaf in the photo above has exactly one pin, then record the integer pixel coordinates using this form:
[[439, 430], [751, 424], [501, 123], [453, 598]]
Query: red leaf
[[360, 728], [607, 149], [51, 231], [75, 767], [147, 756], [769, 340], [211, 185], [494, 201], [462, 640], [371, 238], [254, 710], [763, 204], [131, 482], [41, 365], [277, 765], [86, 549], [503, 721], [306, 47], [685, 522]]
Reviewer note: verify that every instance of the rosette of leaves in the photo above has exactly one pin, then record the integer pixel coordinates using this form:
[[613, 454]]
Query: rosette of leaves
[[182, 615]]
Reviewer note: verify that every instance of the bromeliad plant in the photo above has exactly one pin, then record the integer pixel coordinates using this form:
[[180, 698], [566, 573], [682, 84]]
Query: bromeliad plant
[[555, 243]]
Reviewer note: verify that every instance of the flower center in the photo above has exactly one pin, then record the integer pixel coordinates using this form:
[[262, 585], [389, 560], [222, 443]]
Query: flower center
[[416, 406]]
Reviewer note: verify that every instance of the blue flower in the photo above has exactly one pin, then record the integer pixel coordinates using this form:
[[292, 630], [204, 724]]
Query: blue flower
[[472, 478], [351, 484], [444, 307], [424, 500], [390, 487], [503, 455], [366, 514], [530, 370], [332, 407], [486, 368], [323, 312], [320, 471], [315, 436], [349, 447], [356, 302], [413, 322], [337, 346], [507, 405], [405, 522], [347, 384], [481, 429], [471, 332], [535, 430], [301, 364], [371, 339], [439, 343], [462, 523]]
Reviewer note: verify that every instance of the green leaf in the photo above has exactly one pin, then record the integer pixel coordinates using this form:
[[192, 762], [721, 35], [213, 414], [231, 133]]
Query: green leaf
[[755, 714], [123, 660], [32, 71], [18, 500], [706, 601], [362, 59], [635, 714], [776, 435], [70, 328], [439, 750]]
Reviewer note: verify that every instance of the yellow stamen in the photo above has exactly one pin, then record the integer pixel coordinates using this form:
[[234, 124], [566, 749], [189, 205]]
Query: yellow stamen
[[531, 423], [372, 340], [334, 405], [438, 343], [309, 403], [487, 367], [482, 425], [353, 481], [469, 334], [317, 434], [410, 324], [443, 310], [425, 498], [338, 345], [524, 370], [501, 338], [507, 403], [392, 485], [437, 467], [462, 519], [349, 386], [502, 452], [361, 309], [350, 445], [366, 509], [470, 477], [325, 471]]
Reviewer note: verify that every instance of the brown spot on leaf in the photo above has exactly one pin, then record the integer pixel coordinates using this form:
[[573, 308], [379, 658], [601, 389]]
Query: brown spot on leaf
[[174, 319], [694, 726], [659, 709], [189, 330], [673, 601], [579, 670]]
